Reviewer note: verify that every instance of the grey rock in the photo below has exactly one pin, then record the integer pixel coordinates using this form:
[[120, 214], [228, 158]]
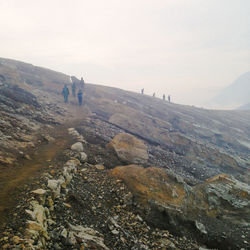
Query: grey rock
[[55, 186], [83, 157], [39, 191], [115, 232], [77, 147], [64, 233], [56, 246], [200, 227], [89, 234], [130, 149]]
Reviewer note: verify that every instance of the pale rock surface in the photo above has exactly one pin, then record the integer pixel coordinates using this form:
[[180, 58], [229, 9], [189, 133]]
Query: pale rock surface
[[77, 147], [72, 164], [100, 167], [129, 148], [55, 186], [83, 156], [89, 234], [39, 191], [35, 226]]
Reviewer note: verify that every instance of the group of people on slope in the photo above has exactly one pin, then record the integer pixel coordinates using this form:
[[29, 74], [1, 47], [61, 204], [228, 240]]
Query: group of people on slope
[[163, 97], [65, 92]]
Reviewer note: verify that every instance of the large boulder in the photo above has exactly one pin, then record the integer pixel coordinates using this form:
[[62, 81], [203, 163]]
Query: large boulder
[[215, 212], [77, 147], [129, 149], [151, 183], [224, 197]]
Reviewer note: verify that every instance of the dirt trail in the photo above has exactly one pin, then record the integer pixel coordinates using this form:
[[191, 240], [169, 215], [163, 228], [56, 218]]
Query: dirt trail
[[14, 178]]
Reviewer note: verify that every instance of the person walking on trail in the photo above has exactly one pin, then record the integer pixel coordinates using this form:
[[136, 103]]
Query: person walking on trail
[[164, 97], [74, 89], [154, 95], [142, 91], [82, 83], [79, 96], [169, 98], [65, 93]]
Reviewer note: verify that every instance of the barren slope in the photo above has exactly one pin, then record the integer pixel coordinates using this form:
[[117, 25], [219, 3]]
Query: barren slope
[[181, 147]]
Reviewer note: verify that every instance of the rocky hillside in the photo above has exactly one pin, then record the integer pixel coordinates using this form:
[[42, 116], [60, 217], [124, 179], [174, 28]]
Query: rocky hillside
[[202, 143], [143, 173], [28, 102]]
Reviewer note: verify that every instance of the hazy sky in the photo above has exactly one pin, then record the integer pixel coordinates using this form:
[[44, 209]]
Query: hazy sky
[[187, 48]]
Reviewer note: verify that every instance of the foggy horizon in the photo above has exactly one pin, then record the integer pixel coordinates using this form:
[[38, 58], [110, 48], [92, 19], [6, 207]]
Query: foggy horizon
[[189, 50]]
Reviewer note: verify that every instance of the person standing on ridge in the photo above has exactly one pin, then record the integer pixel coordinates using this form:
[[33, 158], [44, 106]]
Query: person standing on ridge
[[169, 98], [74, 89], [79, 96], [163, 97], [142, 91], [65, 93], [82, 83]]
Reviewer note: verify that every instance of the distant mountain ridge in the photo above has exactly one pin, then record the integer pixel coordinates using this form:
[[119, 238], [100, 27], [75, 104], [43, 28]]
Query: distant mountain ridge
[[245, 107], [235, 95]]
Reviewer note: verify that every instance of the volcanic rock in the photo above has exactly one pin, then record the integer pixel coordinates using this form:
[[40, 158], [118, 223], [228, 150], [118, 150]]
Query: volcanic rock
[[129, 148], [39, 191], [211, 207], [55, 186], [83, 156], [77, 147], [186, 192]]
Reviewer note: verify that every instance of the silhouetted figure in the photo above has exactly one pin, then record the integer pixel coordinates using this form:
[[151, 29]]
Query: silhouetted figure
[[164, 97], [79, 96], [142, 91], [154, 95], [65, 93], [82, 83], [74, 89], [169, 98]]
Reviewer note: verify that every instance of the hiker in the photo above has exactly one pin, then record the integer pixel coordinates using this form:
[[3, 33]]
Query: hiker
[[169, 98], [79, 96], [82, 83], [74, 89], [164, 97], [65, 93], [142, 91], [154, 95]]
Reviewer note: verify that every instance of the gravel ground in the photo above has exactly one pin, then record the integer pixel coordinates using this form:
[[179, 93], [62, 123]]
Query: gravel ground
[[91, 200]]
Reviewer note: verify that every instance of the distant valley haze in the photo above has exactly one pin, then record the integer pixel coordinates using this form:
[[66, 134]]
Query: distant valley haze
[[188, 49], [234, 96]]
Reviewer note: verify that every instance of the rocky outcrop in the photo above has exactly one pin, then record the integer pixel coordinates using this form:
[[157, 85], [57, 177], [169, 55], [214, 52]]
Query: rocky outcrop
[[209, 207], [225, 198], [129, 148]]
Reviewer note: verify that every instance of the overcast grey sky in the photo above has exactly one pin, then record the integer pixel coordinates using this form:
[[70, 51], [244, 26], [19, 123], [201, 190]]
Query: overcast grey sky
[[187, 48]]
